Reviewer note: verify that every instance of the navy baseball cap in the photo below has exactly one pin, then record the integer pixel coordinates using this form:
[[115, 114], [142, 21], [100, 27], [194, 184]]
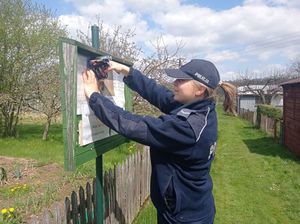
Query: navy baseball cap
[[198, 69]]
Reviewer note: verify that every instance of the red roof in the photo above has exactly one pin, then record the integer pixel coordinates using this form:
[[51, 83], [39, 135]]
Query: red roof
[[292, 81]]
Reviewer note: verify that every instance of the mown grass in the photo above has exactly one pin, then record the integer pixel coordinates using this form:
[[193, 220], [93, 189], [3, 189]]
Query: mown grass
[[256, 180], [29, 144]]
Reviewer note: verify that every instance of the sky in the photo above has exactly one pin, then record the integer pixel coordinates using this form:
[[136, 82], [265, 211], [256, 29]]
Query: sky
[[237, 36]]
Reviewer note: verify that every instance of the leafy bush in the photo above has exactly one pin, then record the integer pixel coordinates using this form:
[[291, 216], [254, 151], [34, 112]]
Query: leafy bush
[[270, 111]]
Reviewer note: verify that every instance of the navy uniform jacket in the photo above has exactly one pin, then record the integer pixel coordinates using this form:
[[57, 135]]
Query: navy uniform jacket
[[182, 144]]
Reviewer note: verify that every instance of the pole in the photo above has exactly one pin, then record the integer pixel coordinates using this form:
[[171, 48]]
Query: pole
[[99, 160]]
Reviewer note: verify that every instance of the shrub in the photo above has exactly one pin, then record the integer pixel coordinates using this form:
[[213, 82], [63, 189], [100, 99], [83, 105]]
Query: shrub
[[269, 111]]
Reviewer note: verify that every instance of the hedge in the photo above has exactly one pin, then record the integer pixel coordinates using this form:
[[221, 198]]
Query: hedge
[[269, 111]]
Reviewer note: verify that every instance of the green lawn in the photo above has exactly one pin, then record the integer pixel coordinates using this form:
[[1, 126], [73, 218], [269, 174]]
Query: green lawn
[[41, 193], [255, 179], [29, 144]]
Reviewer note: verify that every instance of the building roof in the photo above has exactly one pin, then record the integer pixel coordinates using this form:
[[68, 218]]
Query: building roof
[[292, 81], [244, 90]]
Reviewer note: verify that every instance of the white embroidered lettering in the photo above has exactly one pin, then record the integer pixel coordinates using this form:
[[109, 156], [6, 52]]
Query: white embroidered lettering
[[199, 76]]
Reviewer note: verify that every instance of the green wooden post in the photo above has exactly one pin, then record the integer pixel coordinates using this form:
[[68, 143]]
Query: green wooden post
[[99, 159]]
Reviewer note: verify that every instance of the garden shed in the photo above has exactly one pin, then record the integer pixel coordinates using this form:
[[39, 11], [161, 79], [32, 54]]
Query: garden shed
[[291, 115], [248, 100]]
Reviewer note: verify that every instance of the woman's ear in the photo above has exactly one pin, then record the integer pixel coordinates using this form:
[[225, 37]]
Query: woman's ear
[[200, 91]]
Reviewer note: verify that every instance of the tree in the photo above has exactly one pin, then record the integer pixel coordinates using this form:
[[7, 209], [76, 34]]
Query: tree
[[120, 44], [153, 66], [46, 98], [264, 84], [114, 41], [294, 68], [28, 42]]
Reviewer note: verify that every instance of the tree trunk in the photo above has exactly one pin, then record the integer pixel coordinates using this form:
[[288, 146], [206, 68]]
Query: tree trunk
[[11, 118], [46, 129]]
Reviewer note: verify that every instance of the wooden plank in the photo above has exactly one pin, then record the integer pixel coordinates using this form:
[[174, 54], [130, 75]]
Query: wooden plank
[[82, 205], [117, 185], [74, 204], [46, 217], [68, 210], [94, 199], [105, 192], [68, 83], [58, 217], [129, 189], [126, 199], [113, 195], [123, 192], [89, 203]]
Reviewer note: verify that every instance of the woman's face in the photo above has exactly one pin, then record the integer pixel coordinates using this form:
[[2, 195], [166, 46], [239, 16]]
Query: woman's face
[[186, 91]]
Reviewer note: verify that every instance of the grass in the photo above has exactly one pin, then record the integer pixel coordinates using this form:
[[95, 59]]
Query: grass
[[30, 145], [255, 179], [42, 193]]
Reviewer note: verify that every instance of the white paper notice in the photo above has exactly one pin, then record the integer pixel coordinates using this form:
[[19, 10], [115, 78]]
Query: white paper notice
[[81, 99], [91, 128]]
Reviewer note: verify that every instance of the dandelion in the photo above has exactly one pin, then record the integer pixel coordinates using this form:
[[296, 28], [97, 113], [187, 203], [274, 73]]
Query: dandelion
[[11, 210], [4, 211]]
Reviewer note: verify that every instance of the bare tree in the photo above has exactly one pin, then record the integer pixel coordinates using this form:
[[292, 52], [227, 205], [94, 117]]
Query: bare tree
[[45, 97], [114, 41], [153, 67], [294, 69], [120, 44], [264, 84]]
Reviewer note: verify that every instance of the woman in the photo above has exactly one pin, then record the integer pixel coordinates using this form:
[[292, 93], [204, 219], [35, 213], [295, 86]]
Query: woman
[[182, 142]]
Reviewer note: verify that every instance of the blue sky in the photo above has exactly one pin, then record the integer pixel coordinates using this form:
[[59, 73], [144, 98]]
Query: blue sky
[[253, 35]]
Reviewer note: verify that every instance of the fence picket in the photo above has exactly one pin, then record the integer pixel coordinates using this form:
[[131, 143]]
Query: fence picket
[[68, 210], [82, 206], [58, 217], [94, 200], [74, 204], [89, 203], [126, 187]]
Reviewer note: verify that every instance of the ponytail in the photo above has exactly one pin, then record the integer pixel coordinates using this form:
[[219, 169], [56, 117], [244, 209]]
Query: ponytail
[[229, 92], [230, 97]]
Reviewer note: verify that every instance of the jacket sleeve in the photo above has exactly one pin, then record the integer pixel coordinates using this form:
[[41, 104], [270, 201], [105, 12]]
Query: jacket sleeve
[[158, 95], [164, 132]]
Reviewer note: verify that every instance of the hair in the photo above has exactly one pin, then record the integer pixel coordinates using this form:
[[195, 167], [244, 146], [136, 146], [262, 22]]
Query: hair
[[230, 95]]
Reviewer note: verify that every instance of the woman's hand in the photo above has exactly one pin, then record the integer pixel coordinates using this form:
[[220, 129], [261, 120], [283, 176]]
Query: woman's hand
[[90, 82], [119, 68]]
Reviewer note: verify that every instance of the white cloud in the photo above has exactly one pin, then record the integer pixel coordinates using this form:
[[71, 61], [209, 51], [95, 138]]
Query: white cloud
[[260, 28], [74, 23], [229, 75], [222, 56]]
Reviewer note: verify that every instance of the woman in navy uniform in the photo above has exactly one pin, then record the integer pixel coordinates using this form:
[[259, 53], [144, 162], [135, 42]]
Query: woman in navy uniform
[[182, 141]]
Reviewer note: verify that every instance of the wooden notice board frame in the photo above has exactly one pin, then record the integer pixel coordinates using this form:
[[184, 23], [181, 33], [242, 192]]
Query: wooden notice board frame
[[75, 154]]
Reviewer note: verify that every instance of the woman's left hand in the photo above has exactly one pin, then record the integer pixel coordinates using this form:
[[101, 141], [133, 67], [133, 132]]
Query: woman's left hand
[[90, 82]]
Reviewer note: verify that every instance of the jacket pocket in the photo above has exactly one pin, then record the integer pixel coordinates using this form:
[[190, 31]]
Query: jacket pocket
[[171, 197]]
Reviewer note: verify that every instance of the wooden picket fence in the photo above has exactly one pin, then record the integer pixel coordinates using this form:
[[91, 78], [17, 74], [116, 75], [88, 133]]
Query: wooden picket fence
[[266, 124], [83, 209], [126, 188]]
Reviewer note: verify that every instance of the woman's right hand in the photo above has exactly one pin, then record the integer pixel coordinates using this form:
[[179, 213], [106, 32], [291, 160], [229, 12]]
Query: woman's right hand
[[118, 67]]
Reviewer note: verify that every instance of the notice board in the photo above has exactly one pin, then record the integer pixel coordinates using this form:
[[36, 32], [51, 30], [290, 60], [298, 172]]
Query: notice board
[[85, 136]]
